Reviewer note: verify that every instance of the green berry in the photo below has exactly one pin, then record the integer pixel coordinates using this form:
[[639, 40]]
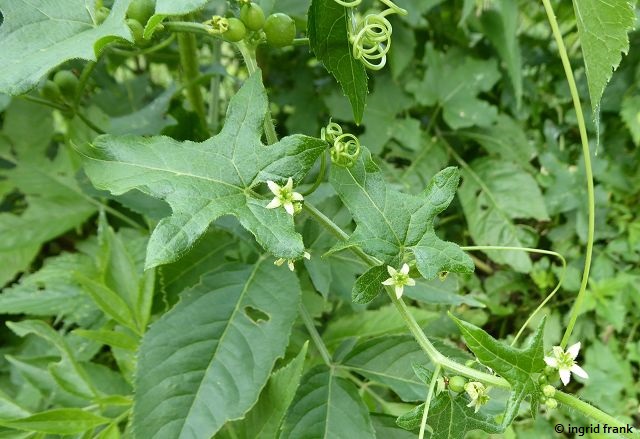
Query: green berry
[[549, 391], [137, 30], [456, 383], [236, 30], [51, 91], [141, 10], [542, 379], [551, 403], [66, 82], [252, 16], [280, 30], [101, 14]]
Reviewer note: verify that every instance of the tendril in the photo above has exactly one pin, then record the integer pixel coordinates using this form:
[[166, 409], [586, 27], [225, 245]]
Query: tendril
[[346, 147], [371, 38]]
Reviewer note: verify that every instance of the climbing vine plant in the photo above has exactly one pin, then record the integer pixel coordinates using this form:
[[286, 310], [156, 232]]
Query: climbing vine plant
[[318, 218]]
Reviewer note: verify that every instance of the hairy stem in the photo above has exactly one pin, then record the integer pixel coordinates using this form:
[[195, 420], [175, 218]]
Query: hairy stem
[[315, 336], [188, 48], [427, 403], [587, 164]]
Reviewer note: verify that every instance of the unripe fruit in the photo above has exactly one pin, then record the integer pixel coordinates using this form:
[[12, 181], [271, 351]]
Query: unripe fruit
[[456, 383], [236, 30], [252, 16], [137, 30], [51, 91], [101, 14], [280, 30], [141, 10], [66, 82]]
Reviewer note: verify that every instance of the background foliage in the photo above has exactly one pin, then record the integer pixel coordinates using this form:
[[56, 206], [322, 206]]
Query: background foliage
[[472, 84]]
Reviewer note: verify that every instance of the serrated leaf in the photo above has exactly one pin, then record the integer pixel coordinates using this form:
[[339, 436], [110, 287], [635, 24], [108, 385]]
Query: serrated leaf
[[491, 205], [630, 114], [71, 32], [205, 361], [57, 421], [386, 428], [369, 285], [603, 27], [519, 366], [264, 419], [172, 7], [449, 417], [459, 78], [391, 224], [203, 181], [329, 40], [327, 406]]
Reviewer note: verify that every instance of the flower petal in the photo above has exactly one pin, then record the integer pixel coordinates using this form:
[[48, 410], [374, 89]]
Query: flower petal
[[389, 281], [411, 282], [392, 271], [274, 203], [290, 265], [306, 255], [579, 371], [565, 376], [289, 208], [573, 350], [404, 269], [297, 197], [273, 187], [289, 184], [399, 290], [551, 361]]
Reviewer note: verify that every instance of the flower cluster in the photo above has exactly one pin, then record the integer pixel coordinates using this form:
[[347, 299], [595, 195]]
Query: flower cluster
[[399, 279]]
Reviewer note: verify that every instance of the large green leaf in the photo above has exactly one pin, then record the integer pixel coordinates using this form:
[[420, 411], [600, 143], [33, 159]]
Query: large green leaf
[[519, 366], [327, 406], [491, 205], [449, 417], [264, 419], [630, 114], [390, 223], [329, 39], [459, 78], [205, 361], [203, 181], [36, 37], [603, 27]]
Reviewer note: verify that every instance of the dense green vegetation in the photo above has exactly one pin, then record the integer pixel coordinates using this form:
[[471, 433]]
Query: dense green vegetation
[[307, 219]]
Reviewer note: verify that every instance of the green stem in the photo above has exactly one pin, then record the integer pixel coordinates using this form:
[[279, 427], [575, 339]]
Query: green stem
[[186, 27], [315, 336], [587, 164], [214, 90], [320, 177], [427, 403], [82, 82], [90, 124], [300, 42], [591, 411], [44, 102], [188, 48], [249, 56]]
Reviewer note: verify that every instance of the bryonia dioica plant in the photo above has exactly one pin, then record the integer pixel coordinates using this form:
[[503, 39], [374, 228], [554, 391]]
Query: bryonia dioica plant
[[238, 219]]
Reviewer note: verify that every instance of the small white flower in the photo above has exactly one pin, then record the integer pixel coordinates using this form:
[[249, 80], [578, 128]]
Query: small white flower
[[564, 361], [290, 262], [399, 278], [478, 393], [284, 196]]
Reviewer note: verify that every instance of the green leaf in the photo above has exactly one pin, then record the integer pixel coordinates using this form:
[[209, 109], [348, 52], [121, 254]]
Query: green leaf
[[172, 7], [384, 320], [150, 120], [264, 418], [203, 181], [391, 223], [386, 428], [329, 40], [491, 205], [205, 361], [459, 78], [603, 27], [71, 32], [57, 421], [110, 338], [369, 285], [519, 366], [630, 114], [449, 417], [327, 406], [500, 25]]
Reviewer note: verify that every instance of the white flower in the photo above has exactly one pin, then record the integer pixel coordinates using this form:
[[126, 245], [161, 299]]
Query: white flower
[[478, 394], [290, 262], [564, 361], [284, 196], [399, 278]]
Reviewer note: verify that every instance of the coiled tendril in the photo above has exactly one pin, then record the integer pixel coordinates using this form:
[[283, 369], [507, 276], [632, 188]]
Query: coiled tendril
[[346, 147], [371, 38]]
